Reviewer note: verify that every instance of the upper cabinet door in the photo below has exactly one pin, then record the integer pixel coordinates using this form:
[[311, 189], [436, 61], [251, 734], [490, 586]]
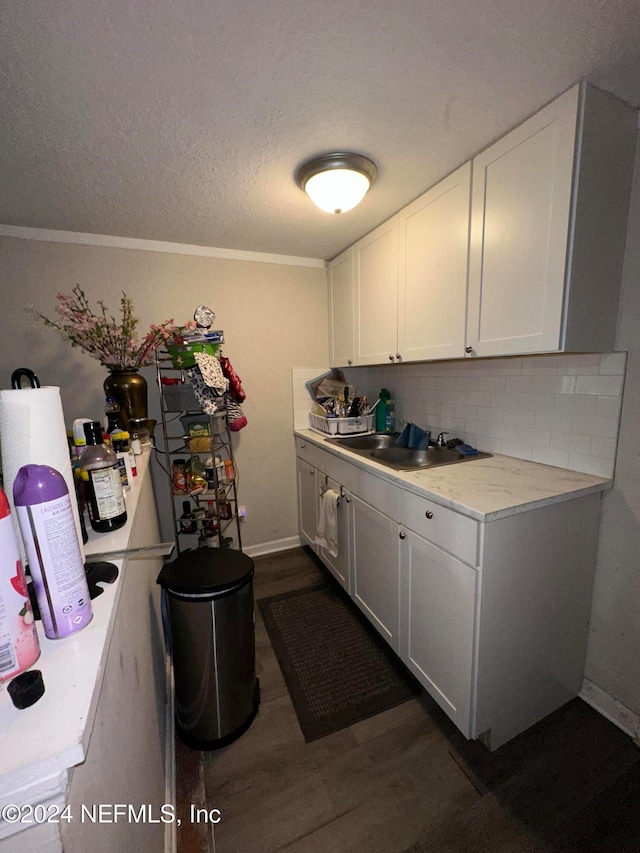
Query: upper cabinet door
[[340, 280], [519, 234], [376, 295], [434, 251]]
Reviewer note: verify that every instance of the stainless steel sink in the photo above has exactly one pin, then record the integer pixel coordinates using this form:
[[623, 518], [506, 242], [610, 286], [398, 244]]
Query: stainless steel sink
[[382, 448], [377, 441]]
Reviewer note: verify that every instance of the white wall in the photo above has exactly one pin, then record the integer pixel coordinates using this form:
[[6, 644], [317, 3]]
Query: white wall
[[613, 661], [274, 317]]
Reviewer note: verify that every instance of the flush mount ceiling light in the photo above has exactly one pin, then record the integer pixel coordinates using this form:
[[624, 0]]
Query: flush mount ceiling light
[[337, 182]]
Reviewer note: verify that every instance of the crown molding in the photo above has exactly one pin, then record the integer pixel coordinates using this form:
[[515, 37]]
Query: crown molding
[[80, 239]]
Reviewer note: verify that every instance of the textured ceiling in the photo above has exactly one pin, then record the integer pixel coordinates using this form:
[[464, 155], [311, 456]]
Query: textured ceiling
[[185, 121]]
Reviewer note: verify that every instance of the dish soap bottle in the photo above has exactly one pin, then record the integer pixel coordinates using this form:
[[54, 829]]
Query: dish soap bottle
[[385, 415]]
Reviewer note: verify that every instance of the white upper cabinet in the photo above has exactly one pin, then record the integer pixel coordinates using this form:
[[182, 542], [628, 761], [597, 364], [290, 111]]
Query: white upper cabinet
[[542, 269], [376, 295], [547, 232], [434, 249], [340, 280]]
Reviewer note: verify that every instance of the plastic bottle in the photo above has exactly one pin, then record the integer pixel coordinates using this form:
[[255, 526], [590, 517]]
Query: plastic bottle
[[385, 415], [120, 444], [187, 521], [105, 497], [49, 532], [19, 646], [79, 438], [113, 416], [209, 473]]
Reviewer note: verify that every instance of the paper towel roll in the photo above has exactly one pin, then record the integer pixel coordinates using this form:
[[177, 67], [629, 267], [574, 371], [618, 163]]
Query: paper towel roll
[[32, 431]]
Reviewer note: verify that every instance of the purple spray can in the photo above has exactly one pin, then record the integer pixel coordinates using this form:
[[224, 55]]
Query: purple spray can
[[50, 538]]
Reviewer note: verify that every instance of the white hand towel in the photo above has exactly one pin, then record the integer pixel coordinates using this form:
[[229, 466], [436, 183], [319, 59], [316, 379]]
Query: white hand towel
[[327, 532]]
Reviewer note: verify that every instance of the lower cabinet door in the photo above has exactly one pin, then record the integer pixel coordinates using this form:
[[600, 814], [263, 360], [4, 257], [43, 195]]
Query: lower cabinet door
[[437, 625], [375, 555], [307, 502], [338, 565]]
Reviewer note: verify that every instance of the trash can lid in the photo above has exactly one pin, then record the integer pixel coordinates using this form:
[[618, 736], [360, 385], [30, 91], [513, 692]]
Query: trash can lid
[[206, 570]]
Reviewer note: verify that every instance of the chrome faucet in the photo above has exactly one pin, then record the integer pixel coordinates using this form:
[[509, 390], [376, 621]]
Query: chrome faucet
[[440, 440]]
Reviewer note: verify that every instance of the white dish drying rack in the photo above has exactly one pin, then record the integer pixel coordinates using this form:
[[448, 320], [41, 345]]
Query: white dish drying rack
[[335, 427]]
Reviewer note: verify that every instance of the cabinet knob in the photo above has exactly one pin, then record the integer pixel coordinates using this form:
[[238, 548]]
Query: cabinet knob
[[349, 361], [399, 356], [468, 349], [390, 358], [348, 500], [402, 535], [429, 514], [303, 445], [312, 471]]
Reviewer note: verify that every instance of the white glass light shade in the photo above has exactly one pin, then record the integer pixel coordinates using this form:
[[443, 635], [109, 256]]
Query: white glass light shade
[[338, 190], [337, 182]]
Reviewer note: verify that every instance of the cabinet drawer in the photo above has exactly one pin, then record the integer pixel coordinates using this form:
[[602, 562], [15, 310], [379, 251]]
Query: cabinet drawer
[[306, 450], [456, 533]]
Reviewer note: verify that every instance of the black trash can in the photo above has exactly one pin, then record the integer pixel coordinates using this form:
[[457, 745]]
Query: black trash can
[[209, 604]]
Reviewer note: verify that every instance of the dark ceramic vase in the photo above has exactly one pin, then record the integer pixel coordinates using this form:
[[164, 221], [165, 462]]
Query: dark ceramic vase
[[129, 389]]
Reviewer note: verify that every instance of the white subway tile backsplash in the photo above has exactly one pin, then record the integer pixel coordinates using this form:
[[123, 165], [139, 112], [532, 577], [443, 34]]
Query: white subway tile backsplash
[[609, 386], [613, 363], [569, 441], [519, 417], [561, 410], [595, 465], [595, 425], [549, 456], [492, 383], [584, 404], [534, 436], [605, 447], [537, 402], [553, 420], [609, 407]]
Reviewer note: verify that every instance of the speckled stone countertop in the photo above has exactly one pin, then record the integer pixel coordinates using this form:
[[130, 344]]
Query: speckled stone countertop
[[484, 489]]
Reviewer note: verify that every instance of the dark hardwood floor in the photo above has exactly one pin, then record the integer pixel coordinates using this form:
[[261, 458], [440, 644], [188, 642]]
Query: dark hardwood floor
[[406, 781]]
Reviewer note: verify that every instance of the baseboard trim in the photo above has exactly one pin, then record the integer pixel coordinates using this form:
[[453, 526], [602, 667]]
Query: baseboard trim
[[273, 546], [610, 708]]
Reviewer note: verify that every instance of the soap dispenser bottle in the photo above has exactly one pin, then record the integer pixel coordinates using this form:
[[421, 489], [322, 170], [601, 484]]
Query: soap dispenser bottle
[[385, 415]]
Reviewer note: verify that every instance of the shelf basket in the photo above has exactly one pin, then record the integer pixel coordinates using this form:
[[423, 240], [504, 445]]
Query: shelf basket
[[180, 398]]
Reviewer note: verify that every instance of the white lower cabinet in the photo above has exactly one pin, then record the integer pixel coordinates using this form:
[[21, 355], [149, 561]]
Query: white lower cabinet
[[437, 615], [492, 618], [307, 501], [339, 566], [375, 560]]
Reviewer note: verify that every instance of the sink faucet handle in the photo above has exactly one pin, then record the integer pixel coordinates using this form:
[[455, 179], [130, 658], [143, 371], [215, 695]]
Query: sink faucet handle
[[440, 440]]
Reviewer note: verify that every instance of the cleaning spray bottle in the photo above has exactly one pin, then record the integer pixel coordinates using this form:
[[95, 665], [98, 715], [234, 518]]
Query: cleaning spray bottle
[[49, 533], [19, 646]]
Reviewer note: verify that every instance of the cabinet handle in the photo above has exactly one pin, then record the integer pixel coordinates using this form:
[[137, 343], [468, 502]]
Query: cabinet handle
[[399, 356], [468, 349], [390, 358], [429, 514], [402, 535]]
